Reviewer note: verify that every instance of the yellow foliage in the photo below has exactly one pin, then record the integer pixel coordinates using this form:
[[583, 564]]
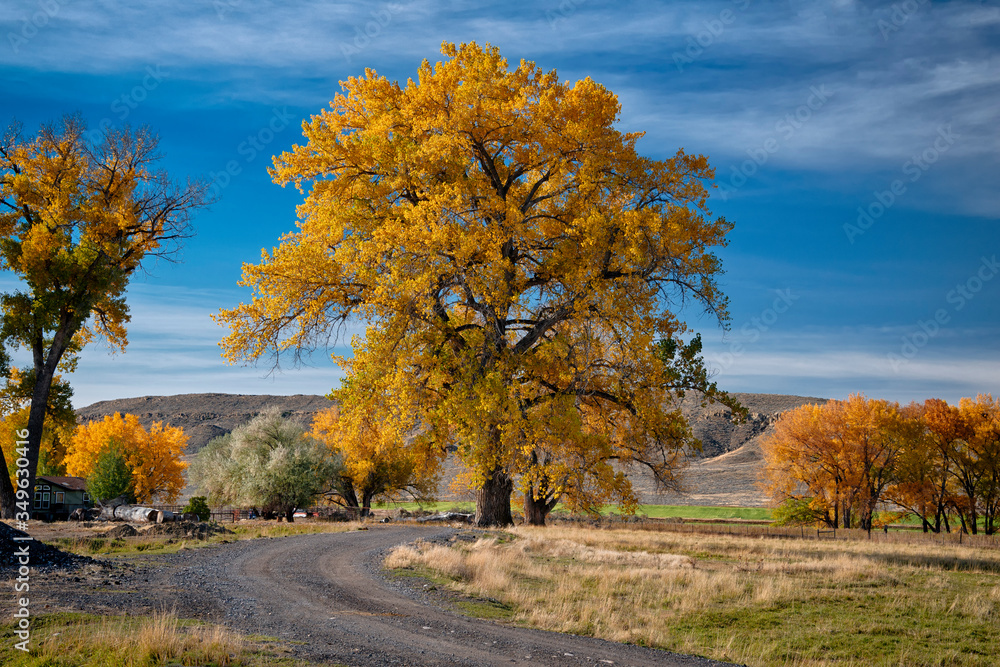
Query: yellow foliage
[[153, 455], [77, 219], [847, 456], [514, 257], [56, 437]]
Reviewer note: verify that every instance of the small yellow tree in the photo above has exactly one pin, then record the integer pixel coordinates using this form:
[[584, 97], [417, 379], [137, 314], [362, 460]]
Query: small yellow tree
[[382, 453], [153, 455]]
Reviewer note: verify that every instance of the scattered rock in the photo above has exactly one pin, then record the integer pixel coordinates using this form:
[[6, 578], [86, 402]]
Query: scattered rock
[[186, 529]]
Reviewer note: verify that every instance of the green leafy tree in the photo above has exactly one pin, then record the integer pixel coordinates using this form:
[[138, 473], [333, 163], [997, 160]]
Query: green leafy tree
[[77, 219], [270, 463], [798, 512], [199, 505], [111, 477]]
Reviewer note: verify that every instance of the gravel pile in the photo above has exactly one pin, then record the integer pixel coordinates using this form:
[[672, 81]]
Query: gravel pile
[[41, 555]]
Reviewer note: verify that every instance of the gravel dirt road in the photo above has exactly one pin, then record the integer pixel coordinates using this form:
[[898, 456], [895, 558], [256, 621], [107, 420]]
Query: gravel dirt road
[[324, 594]]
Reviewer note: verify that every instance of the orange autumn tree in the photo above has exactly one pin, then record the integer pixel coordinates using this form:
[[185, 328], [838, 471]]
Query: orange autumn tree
[[153, 456], [976, 467], [924, 483], [515, 260], [841, 455], [801, 465]]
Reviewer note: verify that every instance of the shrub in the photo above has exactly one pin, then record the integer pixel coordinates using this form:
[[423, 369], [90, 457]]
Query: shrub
[[199, 505]]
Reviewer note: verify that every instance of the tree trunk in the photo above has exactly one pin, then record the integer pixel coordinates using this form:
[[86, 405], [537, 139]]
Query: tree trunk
[[536, 511], [36, 417], [493, 500], [7, 498], [289, 515], [45, 368], [366, 503]]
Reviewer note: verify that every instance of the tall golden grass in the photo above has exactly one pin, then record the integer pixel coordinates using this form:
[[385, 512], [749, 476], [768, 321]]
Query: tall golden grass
[[682, 592], [140, 641]]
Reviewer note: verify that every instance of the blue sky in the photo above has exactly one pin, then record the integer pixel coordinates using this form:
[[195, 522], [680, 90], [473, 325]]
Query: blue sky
[[855, 144]]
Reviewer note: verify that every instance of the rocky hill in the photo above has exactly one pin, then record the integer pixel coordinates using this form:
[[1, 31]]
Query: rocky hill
[[725, 473], [714, 427], [205, 416]]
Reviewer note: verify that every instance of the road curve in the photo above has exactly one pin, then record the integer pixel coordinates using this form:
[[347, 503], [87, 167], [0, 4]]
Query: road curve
[[323, 593]]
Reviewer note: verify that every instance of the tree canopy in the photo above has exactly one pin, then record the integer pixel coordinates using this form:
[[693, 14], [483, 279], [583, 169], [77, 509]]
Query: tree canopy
[[838, 461], [153, 456], [77, 219], [382, 458], [516, 262], [269, 463], [111, 476]]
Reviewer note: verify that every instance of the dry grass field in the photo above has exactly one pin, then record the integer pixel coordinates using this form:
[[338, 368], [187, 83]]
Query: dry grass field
[[753, 600]]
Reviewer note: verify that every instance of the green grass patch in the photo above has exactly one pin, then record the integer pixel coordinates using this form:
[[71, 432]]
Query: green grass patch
[[457, 506], [704, 512], [488, 609], [87, 640]]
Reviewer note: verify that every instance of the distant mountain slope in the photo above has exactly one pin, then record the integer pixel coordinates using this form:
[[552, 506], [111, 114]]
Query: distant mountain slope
[[205, 416], [718, 434]]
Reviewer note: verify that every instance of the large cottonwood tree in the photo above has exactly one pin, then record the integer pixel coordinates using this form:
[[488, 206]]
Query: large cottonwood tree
[[77, 219], [516, 260]]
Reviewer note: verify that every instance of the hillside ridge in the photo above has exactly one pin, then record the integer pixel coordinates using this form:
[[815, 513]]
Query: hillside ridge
[[725, 472]]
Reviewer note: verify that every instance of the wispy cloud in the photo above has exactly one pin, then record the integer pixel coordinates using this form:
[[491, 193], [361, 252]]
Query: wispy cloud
[[174, 348]]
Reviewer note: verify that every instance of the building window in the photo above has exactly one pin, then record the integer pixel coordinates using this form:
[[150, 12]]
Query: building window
[[86, 497], [45, 500], [38, 500], [60, 497]]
